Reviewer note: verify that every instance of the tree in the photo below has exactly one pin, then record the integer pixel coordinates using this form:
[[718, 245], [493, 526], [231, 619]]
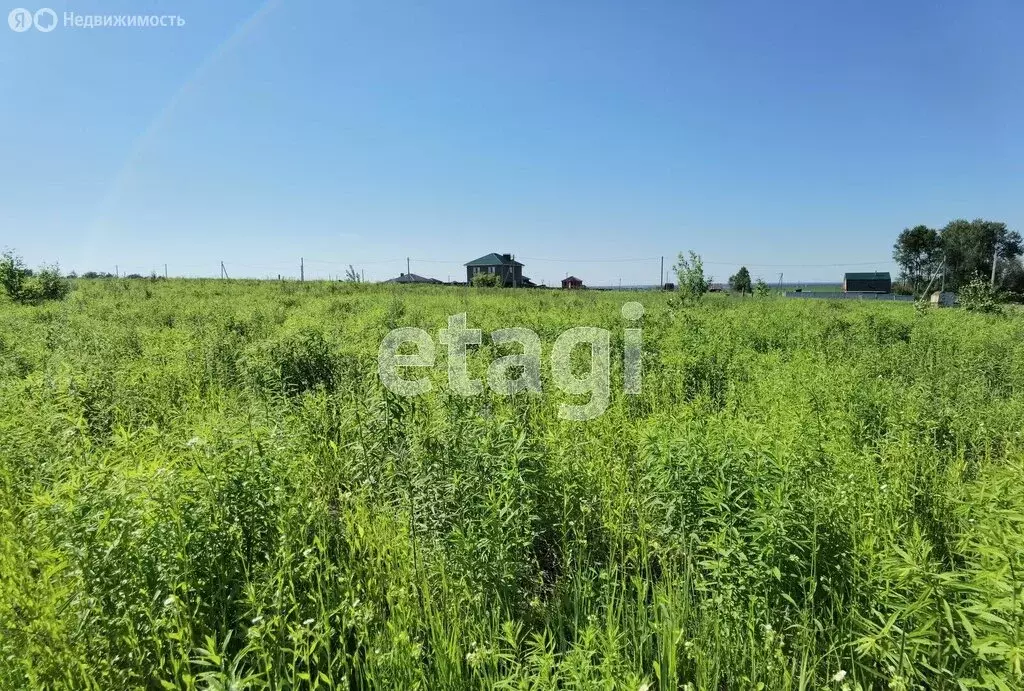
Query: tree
[[970, 247], [352, 276], [690, 274], [761, 289], [918, 251], [740, 281], [1011, 278]]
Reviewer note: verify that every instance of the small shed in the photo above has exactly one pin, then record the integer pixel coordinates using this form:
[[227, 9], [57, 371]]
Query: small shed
[[571, 283], [943, 299], [868, 282]]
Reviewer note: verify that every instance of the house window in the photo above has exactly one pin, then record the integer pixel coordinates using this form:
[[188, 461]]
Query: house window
[[490, 269]]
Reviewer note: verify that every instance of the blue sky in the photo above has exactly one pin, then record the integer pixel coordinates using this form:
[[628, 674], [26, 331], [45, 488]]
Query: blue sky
[[784, 136]]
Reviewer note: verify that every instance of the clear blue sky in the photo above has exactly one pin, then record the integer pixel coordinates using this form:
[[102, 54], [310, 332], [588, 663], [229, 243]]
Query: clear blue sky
[[764, 133]]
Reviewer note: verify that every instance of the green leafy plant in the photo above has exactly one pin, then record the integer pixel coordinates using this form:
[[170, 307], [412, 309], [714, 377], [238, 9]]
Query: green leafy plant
[[740, 281], [23, 285], [693, 284], [205, 485], [485, 280], [979, 296]]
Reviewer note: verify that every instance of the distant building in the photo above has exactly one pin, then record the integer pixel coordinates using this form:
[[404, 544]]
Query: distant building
[[413, 278], [571, 283], [717, 287], [870, 282], [508, 270]]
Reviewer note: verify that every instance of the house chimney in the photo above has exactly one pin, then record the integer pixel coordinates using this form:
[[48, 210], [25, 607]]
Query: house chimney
[[507, 257]]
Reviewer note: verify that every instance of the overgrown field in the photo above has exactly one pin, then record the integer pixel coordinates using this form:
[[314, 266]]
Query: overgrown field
[[205, 485]]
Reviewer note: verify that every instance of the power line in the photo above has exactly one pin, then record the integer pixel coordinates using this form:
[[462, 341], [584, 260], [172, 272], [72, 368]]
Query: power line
[[802, 266], [591, 261]]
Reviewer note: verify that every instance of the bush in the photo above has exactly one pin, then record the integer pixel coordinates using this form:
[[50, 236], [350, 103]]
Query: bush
[[292, 364], [24, 286], [485, 280], [693, 284], [48, 284], [13, 274], [979, 296]]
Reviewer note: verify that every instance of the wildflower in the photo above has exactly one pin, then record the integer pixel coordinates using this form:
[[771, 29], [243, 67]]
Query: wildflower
[[839, 676]]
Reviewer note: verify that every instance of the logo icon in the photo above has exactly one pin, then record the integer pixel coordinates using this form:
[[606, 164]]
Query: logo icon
[[45, 20], [20, 20]]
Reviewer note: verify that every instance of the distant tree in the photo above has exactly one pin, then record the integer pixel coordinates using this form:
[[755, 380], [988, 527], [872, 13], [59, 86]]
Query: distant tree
[[693, 284], [485, 280], [918, 251], [1011, 278], [740, 281], [970, 246], [352, 276], [761, 289]]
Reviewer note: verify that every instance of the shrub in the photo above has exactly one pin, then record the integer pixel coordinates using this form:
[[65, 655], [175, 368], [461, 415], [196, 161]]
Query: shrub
[[293, 364], [13, 275], [24, 286], [693, 284], [979, 296], [485, 280], [48, 284]]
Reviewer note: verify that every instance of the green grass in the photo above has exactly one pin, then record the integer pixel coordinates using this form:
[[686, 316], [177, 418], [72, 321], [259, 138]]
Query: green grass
[[204, 485]]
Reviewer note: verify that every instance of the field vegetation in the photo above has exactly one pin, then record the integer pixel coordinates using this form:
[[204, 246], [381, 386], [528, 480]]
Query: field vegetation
[[203, 485]]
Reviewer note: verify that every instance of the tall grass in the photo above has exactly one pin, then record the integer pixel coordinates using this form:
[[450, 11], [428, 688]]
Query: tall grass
[[204, 485]]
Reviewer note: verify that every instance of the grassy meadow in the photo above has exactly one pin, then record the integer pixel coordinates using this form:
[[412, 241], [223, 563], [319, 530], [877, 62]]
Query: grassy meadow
[[204, 485]]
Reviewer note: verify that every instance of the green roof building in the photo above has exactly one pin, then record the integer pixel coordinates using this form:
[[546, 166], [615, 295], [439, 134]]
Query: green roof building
[[867, 282], [508, 270]]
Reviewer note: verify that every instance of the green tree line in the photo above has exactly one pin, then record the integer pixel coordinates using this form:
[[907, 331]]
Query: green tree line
[[960, 252]]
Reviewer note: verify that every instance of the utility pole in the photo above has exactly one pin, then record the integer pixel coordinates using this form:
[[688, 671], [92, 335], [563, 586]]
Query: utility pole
[[995, 258], [780, 280], [302, 270], [943, 289], [407, 271], [223, 271], [363, 275], [165, 272], [661, 283], [117, 273]]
